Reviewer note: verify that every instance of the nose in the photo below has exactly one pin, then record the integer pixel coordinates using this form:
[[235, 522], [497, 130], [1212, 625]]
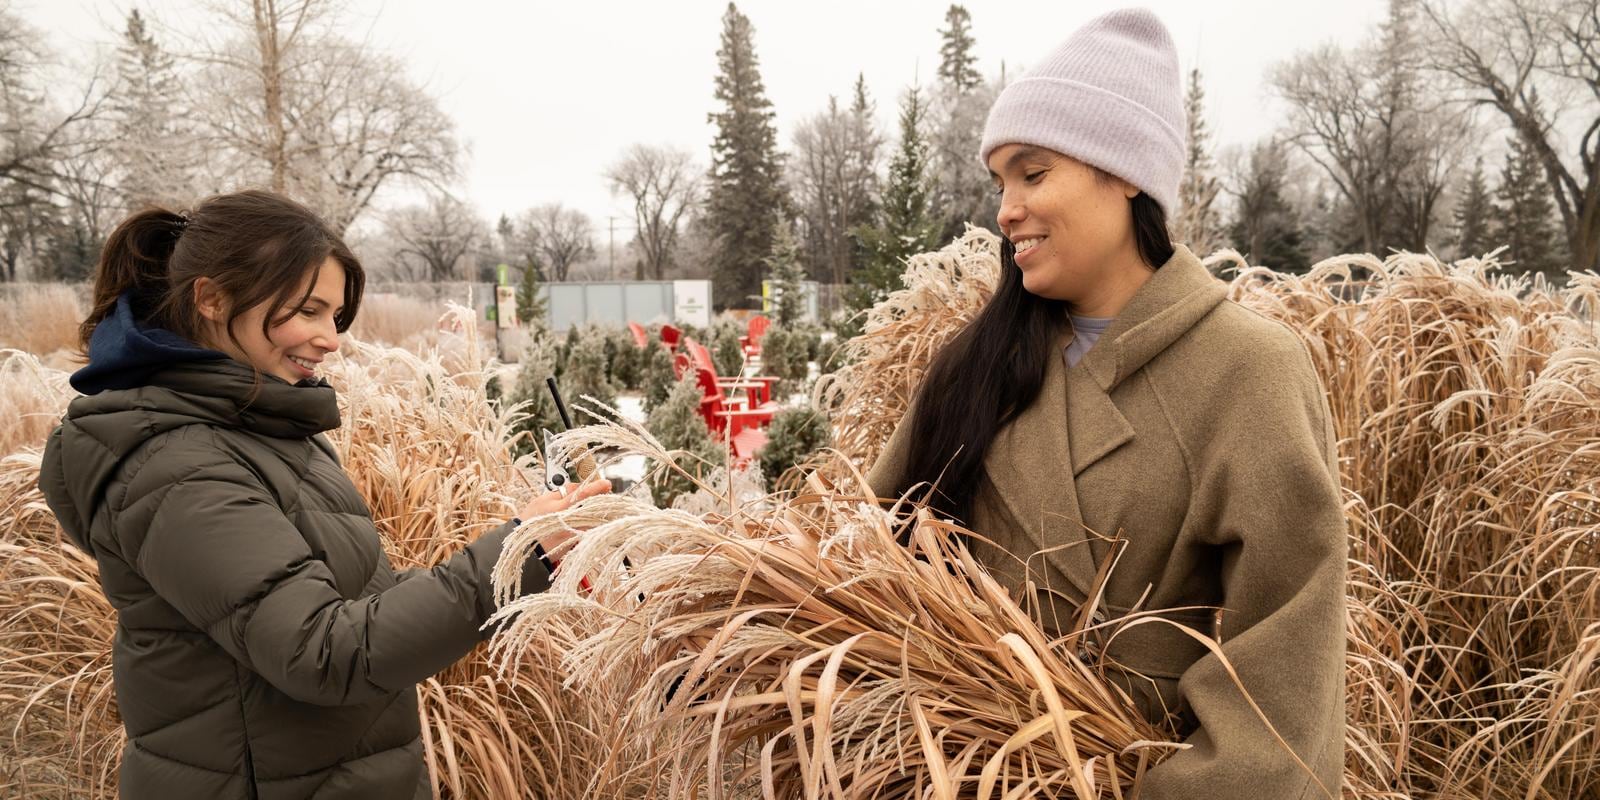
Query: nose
[[1012, 211], [327, 338]]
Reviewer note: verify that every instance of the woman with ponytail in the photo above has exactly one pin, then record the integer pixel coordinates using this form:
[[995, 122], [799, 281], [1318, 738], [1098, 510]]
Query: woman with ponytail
[[265, 647], [1109, 408]]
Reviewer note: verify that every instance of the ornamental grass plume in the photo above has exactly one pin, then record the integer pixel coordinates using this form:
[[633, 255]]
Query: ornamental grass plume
[[945, 290], [1468, 410], [33, 397], [817, 648]]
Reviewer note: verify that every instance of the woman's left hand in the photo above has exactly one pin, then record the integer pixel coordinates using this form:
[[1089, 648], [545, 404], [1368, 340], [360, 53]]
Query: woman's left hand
[[556, 544]]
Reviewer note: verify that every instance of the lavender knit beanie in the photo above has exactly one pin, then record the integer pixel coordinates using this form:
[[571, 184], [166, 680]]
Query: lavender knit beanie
[[1109, 96]]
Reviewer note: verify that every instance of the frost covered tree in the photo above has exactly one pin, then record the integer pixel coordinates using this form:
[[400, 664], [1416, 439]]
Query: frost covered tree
[[785, 276], [663, 184], [834, 172], [304, 111], [433, 239], [906, 224], [154, 149], [1198, 223], [1265, 227], [1526, 222], [746, 194], [957, 64]]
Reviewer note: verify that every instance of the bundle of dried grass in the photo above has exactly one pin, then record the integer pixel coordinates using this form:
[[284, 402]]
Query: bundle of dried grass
[[817, 648]]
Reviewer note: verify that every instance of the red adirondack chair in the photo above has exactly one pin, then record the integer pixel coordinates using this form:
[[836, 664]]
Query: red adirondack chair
[[670, 336], [641, 337], [757, 387], [726, 415], [754, 330]]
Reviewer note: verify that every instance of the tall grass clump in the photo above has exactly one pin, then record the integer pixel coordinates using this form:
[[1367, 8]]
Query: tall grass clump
[[40, 318], [33, 397]]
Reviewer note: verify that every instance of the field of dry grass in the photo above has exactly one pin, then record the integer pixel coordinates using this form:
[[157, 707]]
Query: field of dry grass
[[41, 319], [789, 647]]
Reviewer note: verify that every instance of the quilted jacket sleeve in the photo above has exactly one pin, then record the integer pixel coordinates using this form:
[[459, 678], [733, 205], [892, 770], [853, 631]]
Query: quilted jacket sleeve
[[220, 551]]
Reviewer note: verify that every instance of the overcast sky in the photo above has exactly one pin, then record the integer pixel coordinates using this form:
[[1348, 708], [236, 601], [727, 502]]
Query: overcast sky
[[547, 95]]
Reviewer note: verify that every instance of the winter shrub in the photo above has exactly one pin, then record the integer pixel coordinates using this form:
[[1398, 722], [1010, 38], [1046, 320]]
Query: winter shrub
[[795, 433], [727, 352], [655, 377], [677, 424], [783, 355]]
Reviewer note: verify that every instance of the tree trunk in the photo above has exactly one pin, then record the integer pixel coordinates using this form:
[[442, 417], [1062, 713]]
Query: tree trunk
[[266, 17]]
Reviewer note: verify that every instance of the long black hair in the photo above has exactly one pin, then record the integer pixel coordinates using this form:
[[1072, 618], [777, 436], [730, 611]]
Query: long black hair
[[994, 369]]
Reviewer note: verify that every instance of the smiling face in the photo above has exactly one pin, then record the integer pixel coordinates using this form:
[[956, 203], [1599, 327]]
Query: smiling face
[[1071, 226], [295, 340]]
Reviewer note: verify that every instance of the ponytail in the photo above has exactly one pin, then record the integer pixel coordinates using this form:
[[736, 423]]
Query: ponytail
[[135, 258]]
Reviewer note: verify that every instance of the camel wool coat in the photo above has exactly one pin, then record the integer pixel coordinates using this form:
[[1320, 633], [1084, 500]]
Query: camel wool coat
[[1195, 430]]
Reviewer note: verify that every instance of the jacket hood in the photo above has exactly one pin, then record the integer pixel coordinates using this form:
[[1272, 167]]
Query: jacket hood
[[124, 351], [102, 429]]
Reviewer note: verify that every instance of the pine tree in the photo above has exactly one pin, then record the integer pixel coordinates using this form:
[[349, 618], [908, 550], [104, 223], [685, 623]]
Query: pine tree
[[677, 424], [1526, 222], [906, 222], [148, 142], [746, 194], [1473, 215], [787, 274], [956, 60], [530, 306], [1198, 223], [1265, 227]]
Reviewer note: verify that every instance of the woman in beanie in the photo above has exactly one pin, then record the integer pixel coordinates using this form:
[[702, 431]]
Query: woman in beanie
[[1110, 402], [265, 647]]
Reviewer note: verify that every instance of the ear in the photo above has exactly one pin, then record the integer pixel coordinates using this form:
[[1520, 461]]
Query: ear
[[1128, 190], [208, 298]]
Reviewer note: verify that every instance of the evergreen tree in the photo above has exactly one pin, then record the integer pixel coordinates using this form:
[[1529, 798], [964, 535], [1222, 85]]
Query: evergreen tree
[[956, 60], [746, 195], [1473, 215], [787, 273], [1526, 222], [1198, 224], [677, 424], [538, 412], [530, 306], [906, 223], [1266, 228], [148, 143]]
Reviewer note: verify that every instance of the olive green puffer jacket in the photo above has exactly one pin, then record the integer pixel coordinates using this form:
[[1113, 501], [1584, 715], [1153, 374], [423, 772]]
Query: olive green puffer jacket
[[265, 647]]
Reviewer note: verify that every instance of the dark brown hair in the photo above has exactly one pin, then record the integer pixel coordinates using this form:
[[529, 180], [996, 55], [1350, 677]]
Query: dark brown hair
[[257, 246], [993, 370]]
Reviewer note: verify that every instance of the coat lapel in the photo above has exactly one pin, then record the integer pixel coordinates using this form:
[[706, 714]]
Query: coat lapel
[[1074, 420]]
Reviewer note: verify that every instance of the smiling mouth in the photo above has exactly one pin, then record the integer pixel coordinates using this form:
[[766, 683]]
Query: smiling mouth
[[1024, 245], [309, 366]]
